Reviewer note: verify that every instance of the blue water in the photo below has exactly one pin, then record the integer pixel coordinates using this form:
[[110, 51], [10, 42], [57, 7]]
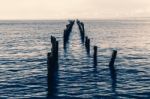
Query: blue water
[[23, 59]]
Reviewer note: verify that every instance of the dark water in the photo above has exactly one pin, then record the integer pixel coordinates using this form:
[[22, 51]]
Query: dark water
[[23, 64]]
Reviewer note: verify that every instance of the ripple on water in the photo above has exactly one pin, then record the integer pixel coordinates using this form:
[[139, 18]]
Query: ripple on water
[[23, 66]]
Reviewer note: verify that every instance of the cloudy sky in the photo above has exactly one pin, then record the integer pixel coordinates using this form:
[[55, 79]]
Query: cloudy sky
[[64, 9]]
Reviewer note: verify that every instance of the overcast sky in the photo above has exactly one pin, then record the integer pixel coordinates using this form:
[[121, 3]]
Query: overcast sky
[[63, 9]]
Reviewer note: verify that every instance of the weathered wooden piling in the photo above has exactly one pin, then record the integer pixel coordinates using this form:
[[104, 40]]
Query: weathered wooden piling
[[87, 44], [95, 56], [65, 37], [52, 65], [82, 25], [111, 65]]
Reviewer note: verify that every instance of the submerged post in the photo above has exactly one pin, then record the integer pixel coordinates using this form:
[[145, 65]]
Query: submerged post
[[95, 56]]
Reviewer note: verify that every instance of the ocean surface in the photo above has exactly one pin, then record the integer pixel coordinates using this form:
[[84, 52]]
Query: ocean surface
[[23, 59]]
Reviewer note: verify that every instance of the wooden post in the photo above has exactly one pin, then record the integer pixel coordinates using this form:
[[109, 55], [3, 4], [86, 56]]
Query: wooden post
[[86, 38], [95, 56], [50, 74], [56, 54], [82, 24], [82, 31], [111, 65], [64, 38], [87, 44], [52, 66]]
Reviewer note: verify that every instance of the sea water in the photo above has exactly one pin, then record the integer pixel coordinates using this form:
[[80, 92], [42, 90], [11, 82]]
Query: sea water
[[24, 45]]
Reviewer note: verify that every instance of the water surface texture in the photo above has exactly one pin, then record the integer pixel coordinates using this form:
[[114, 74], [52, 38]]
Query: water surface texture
[[23, 59]]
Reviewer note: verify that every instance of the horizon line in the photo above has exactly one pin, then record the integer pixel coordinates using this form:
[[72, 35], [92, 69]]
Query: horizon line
[[116, 18]]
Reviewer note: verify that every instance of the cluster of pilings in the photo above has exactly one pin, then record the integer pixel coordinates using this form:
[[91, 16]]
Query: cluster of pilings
[[81, 28], [67, 31], [87, 46], [87, 42], [52, 57], [52, 66]]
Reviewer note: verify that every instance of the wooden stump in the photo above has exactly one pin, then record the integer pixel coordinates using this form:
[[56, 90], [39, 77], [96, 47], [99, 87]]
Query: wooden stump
[[95, 56]]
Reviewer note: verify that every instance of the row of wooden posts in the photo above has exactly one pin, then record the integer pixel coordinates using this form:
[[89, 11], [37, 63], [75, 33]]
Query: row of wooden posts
[[81, 29], [87, 42], [53, 57], [67, 32]]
